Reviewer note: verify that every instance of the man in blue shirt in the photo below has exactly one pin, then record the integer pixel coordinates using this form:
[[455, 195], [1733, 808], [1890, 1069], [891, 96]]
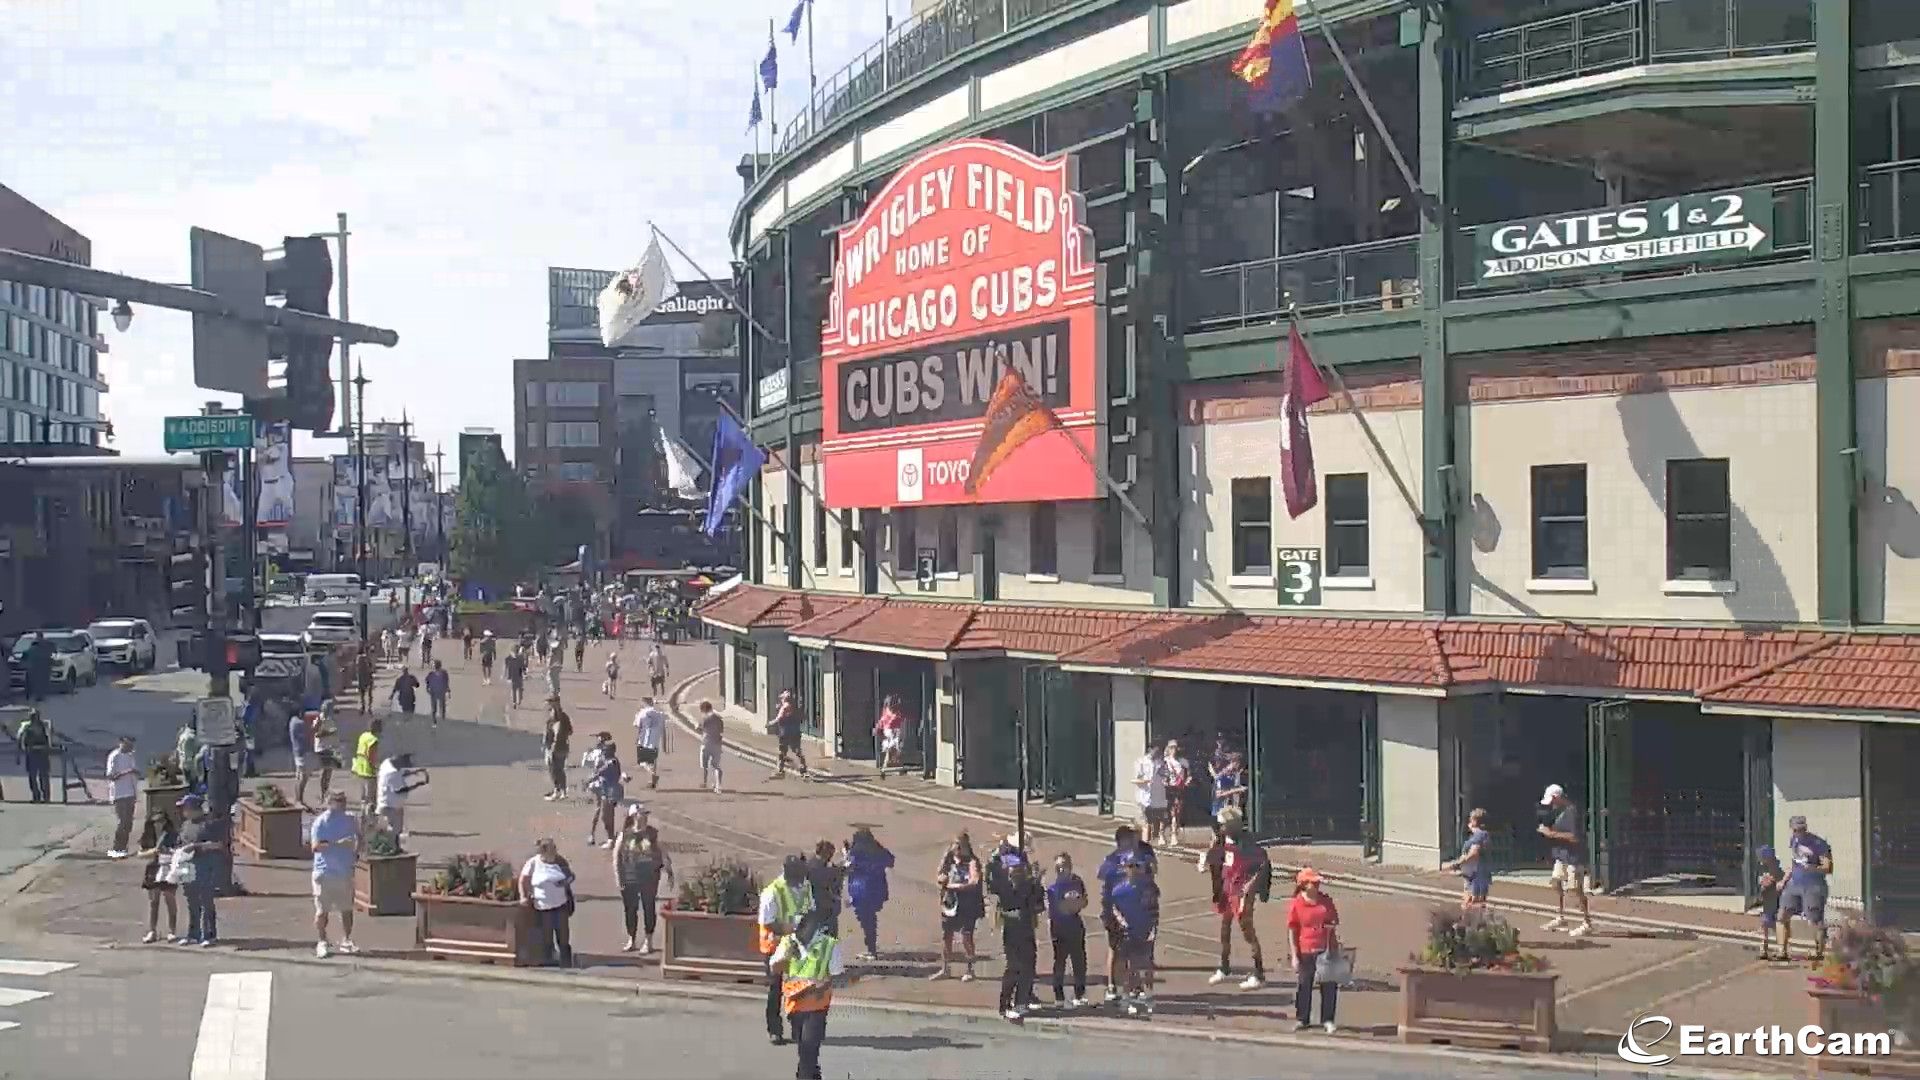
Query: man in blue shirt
[[1126, 845], [1066, 898], [335, 840], [1806, 891], [300, 743]]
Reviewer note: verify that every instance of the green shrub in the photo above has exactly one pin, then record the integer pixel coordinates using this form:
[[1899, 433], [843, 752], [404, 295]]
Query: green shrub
[[729, 887], [1474, 941]]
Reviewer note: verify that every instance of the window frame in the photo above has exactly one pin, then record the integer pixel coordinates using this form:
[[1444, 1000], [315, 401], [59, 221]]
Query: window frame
[[1242, 532], [1679, 521], [1109, 539], [1541, 481], [1341, 529], [819, 535], [905, 539], [946, 543], [1043, 540]]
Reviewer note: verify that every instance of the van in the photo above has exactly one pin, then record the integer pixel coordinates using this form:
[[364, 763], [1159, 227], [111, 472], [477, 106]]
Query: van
[[334, 586]]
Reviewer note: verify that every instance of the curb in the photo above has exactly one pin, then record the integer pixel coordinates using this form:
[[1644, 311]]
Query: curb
[[1357, 883]]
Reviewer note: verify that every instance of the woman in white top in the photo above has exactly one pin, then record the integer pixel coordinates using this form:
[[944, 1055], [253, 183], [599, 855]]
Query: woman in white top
[[546, 886]]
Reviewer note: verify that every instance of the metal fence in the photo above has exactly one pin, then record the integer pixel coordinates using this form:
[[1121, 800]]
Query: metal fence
[[1890, 205], [1628, 32], [1380, 276]]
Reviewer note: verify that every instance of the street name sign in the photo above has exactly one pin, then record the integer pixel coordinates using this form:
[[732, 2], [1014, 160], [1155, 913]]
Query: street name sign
[[231, 431], [1720, 226]]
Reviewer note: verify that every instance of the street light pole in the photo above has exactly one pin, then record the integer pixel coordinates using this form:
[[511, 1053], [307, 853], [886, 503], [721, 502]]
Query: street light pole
[[410, 565], [440, 507], [360, 382]]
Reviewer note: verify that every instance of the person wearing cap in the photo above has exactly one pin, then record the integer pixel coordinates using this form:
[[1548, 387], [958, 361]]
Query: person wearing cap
[[638, 864], [1126, 845], [1241, 876], [1805, 893], [206, 839], [1772, 876], [782, 904], [1136, 912], [489, 648], [1562, 830], [1313, 925], [806, 963]]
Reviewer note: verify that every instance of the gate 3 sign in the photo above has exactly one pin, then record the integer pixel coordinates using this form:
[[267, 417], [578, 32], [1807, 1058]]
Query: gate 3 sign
[[1711, 227], [972, 260]]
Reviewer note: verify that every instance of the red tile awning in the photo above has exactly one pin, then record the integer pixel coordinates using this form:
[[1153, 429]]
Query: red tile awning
[[1648, 659], [1842, 672], [1394, 652]]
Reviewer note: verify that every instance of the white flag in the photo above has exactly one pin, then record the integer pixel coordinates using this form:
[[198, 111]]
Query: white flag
[[629, 298], [682, 471]]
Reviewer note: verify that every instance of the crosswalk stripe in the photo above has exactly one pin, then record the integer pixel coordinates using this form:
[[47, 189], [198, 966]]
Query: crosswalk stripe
[[10, 996], [233, 1027], [32, 968], [7, 1025]]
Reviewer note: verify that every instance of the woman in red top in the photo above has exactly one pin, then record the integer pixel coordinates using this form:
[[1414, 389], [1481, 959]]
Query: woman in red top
[[890, 732], [1312, 925]]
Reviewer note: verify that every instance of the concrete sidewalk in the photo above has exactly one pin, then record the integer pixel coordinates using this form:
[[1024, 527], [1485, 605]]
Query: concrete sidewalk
[[485, 796]]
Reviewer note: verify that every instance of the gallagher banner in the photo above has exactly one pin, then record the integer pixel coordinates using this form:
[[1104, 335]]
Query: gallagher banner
[[971, 272]]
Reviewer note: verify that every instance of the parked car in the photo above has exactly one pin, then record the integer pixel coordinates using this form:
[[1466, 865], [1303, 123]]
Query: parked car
[[125, 643], [74, 664], [333, 627]]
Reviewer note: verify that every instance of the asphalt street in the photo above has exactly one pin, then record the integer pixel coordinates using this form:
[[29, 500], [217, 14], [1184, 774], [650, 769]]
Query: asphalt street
[[168, 1012]]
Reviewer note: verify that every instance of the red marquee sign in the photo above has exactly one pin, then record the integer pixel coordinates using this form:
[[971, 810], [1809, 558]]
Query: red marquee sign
[[974, 261]]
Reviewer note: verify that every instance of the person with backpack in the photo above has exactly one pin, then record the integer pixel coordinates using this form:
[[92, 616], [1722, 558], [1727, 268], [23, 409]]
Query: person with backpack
[[1241, 876]]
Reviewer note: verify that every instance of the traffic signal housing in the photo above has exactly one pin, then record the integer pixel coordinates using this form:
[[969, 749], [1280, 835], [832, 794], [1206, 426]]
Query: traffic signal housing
[[302, 276], [187, 589]]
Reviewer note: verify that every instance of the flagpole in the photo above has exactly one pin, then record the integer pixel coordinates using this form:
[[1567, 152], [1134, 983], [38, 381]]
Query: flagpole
[[756, 128], [813, 86], [739, 496], [725, 293], [1366, 428], [773, 107], [1373, 114], [1106, 479]]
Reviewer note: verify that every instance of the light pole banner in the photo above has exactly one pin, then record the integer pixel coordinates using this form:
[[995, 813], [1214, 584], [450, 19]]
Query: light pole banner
[[273, 464]]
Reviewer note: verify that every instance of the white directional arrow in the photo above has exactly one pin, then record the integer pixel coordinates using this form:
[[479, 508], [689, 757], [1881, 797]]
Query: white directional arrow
[[37, 969], [9, 996]]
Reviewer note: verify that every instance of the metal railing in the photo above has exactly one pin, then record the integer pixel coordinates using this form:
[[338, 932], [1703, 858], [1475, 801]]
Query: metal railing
[[1380, 276], [908, 51], [1890, 205], [1628, 32], [1792, 239]]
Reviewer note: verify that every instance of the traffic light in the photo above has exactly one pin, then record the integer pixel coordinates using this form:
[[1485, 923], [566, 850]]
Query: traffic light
[[303, 277], [187, 589]]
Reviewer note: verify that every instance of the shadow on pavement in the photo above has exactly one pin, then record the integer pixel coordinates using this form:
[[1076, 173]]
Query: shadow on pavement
[[902, 1044]]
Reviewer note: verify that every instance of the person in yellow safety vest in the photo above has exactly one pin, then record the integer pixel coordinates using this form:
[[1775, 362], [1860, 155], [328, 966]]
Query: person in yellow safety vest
[[366, 765], [782, 904], [808, 960]]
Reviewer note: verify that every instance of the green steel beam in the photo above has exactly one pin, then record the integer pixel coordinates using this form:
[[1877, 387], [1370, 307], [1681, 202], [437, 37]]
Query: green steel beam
[[1152, 300], [1835, 183], [1342, 342], [1437, 61]]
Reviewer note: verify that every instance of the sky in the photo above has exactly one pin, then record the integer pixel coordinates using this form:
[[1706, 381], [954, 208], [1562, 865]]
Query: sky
[[471, 144]]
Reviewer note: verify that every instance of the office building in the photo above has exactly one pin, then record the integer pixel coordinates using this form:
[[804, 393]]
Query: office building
[[51, 388]]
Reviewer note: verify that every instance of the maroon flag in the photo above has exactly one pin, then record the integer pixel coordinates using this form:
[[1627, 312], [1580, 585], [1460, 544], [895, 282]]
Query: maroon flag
[[1300, 386]]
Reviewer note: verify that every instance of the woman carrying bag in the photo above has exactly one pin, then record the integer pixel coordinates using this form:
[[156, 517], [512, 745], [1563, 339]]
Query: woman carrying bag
[[158, 839], [1313, 925], [546, 886]]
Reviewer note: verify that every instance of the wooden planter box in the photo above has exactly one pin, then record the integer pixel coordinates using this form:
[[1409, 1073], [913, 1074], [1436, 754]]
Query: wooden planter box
[[162, 798], [384, 884], [699, 945], [1853, 1014], [272, 834], [464, 928], [1485, 1009]]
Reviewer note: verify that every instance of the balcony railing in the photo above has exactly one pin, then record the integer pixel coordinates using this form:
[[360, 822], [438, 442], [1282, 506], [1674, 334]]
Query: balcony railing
[[909, 50], [1629, 32], [1380, 276], [1890, 205]]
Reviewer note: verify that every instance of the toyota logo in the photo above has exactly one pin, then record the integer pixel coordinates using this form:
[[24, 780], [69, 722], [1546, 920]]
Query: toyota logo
[[1631, 1047], [910, 474]]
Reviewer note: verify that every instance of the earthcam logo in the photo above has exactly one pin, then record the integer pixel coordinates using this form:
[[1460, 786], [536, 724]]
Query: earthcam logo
[[1646, 1042]]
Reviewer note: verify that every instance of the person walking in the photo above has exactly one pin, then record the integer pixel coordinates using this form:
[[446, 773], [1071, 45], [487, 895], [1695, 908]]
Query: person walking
[[890, 733], [962, 883], [35, 740], [158, 838], [1150, 775], [1022, 903], [1127, 846], [395, 781], [786, 727], [1179, 782], [1241, 875], [554, 664], [1136, 910], [610, 686], [867, 863], [366, 766], [783, 903], [39, 670], [650, 740], [326, 745], [335, 839], [123, 781], [639, 862], [713, 729], [439, 686], [555, 740], [1805, 893], [207, 840], [546, 887], [406, 691], [466, 643], [807, 962], [300, 746], [1562, 831], [1473, 865], [828, 880], [489, 648], [579, 653], [1313, 925], [1067, 929], [363, 678], [541, 643], [608, 787], [657, 670], [517, 675]]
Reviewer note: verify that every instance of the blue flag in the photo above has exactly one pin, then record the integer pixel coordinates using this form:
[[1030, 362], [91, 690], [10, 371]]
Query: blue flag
[[769, 66], [753, 117], [793, 21], [735, 463]]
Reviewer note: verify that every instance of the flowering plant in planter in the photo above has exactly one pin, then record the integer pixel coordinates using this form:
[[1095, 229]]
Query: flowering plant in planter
[[271, 797], [163, 770], [383, 844], [480, 877], [1474, 941], [721, 888], [1873, 961]]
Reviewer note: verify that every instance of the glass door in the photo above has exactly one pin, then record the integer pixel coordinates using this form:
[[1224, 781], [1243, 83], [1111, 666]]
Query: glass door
[[1758, 739], [859, 708], [1610, 794]]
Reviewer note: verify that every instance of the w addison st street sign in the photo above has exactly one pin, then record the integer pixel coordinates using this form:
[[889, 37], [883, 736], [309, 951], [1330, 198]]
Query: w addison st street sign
[[973, 260], [1724, 226]]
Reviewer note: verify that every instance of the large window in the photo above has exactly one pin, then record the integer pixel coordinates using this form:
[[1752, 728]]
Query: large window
[[745, 674], [1699, 521], [573, 433], [575, 395], [1348, 542], [946, 559], [904, 540], [1043, 543], [1253, 525], [533, 435], [577, 471], [533, 393], [1560, 522], [849, 521], [1109, 538], [819, 535]]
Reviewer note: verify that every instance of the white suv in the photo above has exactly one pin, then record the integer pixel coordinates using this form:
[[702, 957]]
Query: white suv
[[333, 628], [125, 643], [72, 662]]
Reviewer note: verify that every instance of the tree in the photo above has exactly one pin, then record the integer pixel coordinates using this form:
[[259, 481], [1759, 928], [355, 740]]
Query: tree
[[494, 539]]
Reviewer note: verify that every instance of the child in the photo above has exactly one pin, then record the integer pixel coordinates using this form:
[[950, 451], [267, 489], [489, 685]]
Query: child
[[1772, 876], [1066, 899], [1136, 907], [613, 675]]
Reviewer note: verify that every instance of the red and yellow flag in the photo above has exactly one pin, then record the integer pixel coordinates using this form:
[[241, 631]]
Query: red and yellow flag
[[1274, 63], [1015, 416]]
